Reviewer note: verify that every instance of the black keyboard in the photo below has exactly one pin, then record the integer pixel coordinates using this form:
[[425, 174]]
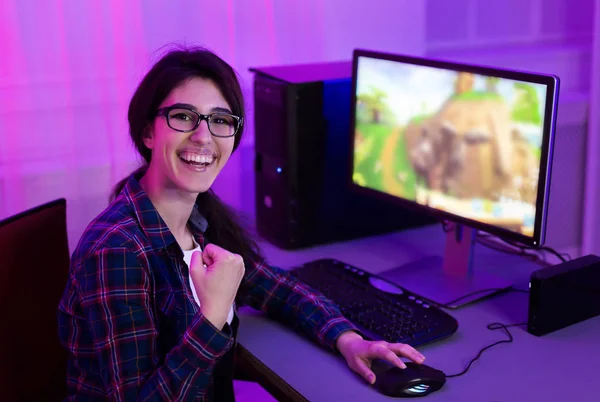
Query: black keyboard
[[394, 314]]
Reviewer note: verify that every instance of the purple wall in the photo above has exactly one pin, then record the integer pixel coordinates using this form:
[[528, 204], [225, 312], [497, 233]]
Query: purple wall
[[69, 68]]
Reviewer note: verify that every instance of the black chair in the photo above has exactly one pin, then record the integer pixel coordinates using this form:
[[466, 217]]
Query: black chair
[[34, 266]]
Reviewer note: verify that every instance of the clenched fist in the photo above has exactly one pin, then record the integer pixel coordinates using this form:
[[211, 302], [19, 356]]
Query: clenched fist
[[216, 274]]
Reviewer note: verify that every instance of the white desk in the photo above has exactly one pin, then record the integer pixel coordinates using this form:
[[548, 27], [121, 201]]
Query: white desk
[[561, 366]]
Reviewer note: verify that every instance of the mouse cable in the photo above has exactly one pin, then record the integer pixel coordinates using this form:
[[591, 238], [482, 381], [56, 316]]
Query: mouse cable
[[493, 326]]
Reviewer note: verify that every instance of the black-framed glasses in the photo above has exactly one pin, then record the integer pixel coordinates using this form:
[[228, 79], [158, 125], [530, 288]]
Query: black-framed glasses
[[185, 120]]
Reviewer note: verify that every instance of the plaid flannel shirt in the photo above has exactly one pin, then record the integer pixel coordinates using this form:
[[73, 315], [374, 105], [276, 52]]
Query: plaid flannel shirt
[[128, 318]]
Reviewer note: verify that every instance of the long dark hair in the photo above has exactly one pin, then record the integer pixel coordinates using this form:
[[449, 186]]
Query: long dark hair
[[175, 67]]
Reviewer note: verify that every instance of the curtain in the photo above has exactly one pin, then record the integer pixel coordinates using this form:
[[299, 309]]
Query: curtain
[[69, 68]]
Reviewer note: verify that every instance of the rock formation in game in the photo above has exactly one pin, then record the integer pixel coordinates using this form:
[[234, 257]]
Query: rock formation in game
[[471, 148]]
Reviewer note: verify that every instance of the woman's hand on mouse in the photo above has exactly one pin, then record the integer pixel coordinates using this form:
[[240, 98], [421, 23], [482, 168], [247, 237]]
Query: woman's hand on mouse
[[359, 353]]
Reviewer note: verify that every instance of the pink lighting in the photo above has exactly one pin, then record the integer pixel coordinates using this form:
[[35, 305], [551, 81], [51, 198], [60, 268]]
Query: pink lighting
[[68, 69]]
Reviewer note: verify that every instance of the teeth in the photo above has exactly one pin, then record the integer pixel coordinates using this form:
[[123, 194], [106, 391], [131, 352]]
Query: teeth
[[192, 157]]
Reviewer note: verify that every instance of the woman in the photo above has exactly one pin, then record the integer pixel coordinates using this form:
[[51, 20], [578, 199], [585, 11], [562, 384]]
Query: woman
[[149, 310]]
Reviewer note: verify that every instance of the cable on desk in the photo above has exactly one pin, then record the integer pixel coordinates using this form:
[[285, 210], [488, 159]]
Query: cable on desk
[[519, 250], [513, 248], [493, 326], [450, 305], [522, 250]]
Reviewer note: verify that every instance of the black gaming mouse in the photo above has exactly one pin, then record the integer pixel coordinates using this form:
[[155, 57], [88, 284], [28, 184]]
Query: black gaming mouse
[[415, 380]]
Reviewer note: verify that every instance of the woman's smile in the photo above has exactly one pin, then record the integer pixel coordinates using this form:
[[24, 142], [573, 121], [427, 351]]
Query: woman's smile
[[198, 160]]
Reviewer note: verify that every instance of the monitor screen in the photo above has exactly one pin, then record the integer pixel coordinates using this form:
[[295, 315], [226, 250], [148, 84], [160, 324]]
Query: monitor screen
[[469, 144]]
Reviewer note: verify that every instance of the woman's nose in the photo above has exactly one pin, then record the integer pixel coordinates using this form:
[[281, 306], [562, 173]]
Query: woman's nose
[[202, 133]]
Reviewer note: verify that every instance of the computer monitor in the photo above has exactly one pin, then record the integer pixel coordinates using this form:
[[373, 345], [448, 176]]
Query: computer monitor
[[470, 145]]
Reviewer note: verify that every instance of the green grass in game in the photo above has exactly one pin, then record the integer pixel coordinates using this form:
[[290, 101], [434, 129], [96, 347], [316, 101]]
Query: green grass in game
[[403, 167], [477, 95], [369, 155]]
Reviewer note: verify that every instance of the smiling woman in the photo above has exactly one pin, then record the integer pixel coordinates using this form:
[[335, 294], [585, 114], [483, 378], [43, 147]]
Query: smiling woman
[[149, 311], [188, 152]]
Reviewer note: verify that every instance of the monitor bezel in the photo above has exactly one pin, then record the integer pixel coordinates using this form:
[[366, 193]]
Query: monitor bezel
[[552, 83]]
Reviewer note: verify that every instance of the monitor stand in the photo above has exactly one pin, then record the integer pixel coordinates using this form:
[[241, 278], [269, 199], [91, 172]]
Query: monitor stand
[[451, 280]]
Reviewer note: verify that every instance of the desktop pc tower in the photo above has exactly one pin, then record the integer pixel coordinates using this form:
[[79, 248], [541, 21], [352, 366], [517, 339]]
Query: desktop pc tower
[[302, 140]]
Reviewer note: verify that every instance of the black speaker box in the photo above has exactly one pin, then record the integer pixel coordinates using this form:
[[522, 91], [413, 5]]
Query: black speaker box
[[564, 294], [302, 160]]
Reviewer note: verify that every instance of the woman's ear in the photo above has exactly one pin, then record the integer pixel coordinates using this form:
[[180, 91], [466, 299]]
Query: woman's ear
[[148, 138]]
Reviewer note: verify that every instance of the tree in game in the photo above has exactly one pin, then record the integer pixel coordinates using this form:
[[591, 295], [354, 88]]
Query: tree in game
[[375, 103], [464, 83], [526, 108], [491, 84]]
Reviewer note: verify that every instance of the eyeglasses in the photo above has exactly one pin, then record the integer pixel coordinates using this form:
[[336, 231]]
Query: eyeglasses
[[185, 120]]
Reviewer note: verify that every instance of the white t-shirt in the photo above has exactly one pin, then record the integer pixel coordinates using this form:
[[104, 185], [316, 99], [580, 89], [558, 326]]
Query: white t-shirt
[[187, 257]]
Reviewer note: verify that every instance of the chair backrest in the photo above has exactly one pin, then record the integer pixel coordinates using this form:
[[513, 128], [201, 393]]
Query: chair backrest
[[34, 265]]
